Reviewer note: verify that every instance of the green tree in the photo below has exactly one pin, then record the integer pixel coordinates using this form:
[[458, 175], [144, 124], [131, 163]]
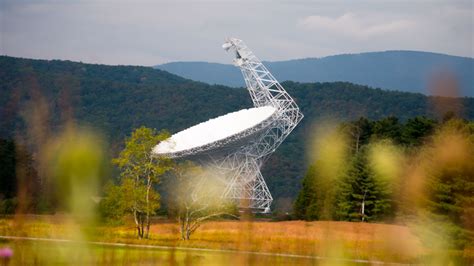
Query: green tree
[[387, 128], [416, 130], [359, 132], [128, 198], [18, 177], [140, 171], [197, 197], [112, 206], [8, 182], [320, 185], [451, 181], [363, 196], [304, 206]]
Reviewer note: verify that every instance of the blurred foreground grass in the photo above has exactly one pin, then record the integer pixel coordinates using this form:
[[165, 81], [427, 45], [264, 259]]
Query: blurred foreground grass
[[41, 253], [366, 241]]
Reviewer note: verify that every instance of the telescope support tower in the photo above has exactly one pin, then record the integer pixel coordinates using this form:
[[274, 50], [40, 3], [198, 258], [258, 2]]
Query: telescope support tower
[[246, 183]]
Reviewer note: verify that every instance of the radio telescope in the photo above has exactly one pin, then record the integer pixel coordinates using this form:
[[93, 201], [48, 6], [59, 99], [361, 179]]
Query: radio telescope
[[237, 144]]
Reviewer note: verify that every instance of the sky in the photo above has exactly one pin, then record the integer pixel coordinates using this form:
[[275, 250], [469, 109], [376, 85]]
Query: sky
[[155, 32]]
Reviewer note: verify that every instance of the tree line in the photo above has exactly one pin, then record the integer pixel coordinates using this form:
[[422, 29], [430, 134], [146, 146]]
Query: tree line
[[365, 170], [388, 171], [36, 95], [115, 100]]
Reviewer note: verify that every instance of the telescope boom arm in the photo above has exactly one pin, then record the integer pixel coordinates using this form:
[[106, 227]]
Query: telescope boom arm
[[265, 90]]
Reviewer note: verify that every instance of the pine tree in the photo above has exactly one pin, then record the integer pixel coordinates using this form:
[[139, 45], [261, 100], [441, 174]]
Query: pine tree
[[317, 199], [387, 128], [416, 129], [359, 132], [451, 182], [306, 197], [363, 197]]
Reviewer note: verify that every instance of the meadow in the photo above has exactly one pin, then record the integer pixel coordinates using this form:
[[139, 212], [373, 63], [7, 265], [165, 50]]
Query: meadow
[[245, 242], [41, 253]]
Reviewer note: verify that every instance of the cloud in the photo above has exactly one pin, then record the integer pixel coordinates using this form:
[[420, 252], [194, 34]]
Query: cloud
[[153, 32], [351, 25]]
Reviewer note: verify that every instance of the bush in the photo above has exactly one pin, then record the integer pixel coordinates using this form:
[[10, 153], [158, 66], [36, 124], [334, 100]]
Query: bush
[[8, 206]]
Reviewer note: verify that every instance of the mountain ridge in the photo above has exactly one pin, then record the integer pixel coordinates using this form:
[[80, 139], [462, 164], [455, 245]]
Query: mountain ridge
[[410, 71]]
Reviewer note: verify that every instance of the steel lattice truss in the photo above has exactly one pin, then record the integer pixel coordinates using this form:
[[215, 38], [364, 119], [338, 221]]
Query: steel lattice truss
[[247, 183], [238, 159]]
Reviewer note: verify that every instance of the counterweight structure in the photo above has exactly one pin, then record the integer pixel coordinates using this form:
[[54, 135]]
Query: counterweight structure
[[238, 158]]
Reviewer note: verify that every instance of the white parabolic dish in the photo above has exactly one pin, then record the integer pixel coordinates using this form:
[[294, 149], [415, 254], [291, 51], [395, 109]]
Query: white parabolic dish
[[214, 130]]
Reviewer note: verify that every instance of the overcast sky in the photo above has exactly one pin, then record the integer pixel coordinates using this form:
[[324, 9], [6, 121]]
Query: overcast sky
[[154, 32]]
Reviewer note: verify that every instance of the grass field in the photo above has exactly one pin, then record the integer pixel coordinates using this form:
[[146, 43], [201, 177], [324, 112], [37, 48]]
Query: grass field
[[365, 241], [41, 253]]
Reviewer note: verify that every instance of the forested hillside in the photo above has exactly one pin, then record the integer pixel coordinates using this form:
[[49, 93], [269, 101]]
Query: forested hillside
[[408, 71], [385, 170], [117, 99]]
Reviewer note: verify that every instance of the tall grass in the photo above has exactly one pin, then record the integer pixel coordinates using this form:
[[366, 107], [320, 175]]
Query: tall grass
[[326, 239]]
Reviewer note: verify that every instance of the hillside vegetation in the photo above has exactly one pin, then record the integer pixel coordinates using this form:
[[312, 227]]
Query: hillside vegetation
[[117, 99]]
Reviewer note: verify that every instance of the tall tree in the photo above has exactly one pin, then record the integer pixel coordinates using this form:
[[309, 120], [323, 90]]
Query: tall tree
[[304, 206], [320, 185], [450, 183], [359, 132], [7, 169], [18, 178], [197, 197], [387, 128], [140, 171], [415, 130], [363, 196]]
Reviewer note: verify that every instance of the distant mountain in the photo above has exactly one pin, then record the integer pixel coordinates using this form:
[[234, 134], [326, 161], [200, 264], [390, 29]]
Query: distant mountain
[[408, 71], [116, 99]]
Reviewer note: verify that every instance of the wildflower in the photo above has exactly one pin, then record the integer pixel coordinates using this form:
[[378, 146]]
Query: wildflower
[[6, 253]]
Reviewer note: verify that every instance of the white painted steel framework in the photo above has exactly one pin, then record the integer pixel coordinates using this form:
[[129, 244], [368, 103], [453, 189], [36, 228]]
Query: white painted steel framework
[[238, 158], [248, 184]]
